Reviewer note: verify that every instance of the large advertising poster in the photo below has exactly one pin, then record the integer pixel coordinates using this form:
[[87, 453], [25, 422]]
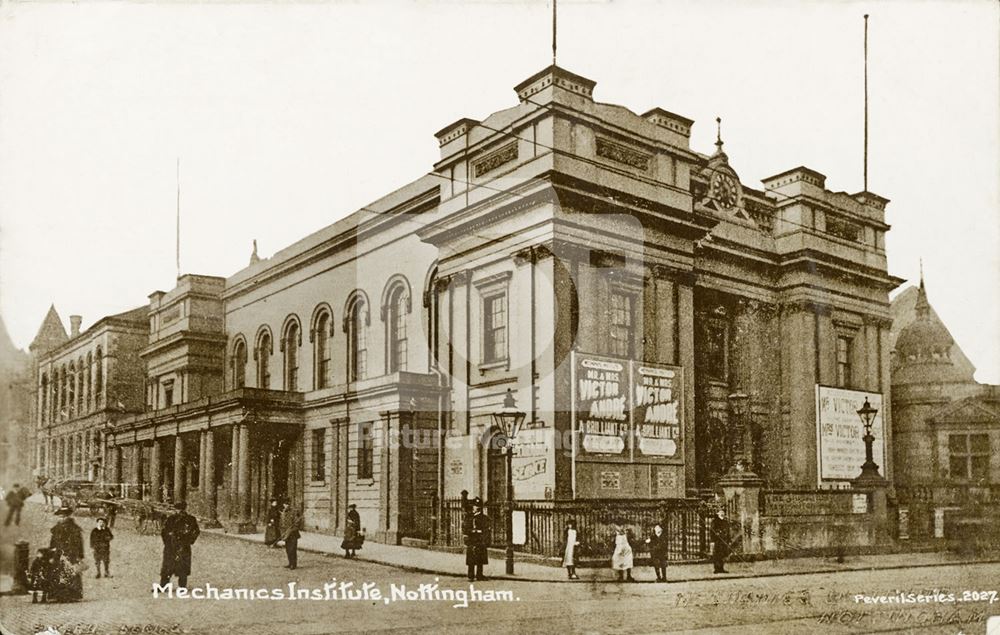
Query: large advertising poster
[[656, 410], [600, 401], [626, 410], [840, 447]]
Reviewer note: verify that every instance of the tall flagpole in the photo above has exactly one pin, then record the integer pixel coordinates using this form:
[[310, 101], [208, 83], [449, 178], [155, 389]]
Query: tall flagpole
[[178, 235], [553, 32], [866, 102]]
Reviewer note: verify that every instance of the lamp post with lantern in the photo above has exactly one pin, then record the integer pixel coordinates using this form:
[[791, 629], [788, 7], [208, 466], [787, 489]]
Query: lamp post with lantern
[[508, 420], [869, 469]]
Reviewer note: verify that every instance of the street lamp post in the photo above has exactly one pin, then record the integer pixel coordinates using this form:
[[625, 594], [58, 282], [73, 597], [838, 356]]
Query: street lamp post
[[869, 470], [508, 420], [738, 406]]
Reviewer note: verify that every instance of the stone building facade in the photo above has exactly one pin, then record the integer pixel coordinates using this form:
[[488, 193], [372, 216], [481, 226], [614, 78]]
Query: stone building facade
[[85, 383], [649, 312], [946, 424]]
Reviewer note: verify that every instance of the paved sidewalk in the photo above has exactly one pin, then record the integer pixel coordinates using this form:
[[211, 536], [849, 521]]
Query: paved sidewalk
[[453, 564]]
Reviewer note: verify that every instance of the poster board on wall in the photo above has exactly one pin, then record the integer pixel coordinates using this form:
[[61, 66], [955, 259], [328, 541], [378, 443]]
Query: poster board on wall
[[840, 448], [627, 410]]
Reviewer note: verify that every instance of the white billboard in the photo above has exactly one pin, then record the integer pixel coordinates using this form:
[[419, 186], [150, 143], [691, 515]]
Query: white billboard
[[839, 431]]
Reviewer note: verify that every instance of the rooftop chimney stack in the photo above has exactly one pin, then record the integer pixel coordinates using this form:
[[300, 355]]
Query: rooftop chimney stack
[[74, 325]]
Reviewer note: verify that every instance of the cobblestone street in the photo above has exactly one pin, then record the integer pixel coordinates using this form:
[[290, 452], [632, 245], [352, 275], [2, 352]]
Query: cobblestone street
[[787, 604]]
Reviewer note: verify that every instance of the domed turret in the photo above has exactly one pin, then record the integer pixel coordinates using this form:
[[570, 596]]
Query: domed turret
[[925, 340]]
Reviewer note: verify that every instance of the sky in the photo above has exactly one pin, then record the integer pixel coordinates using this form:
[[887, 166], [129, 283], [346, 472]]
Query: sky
[[286, 117]]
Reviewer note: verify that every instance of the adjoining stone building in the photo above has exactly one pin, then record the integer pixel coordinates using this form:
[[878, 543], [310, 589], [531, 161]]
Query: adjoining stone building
[[946, 425], [85, 382], [664, 327]]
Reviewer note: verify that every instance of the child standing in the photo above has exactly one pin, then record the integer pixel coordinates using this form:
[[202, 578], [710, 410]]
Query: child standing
[[658, 553], [621, 559], [100, 544], [570, 543]]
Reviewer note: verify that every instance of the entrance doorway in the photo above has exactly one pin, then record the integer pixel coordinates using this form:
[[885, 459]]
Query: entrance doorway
[[496, 469]]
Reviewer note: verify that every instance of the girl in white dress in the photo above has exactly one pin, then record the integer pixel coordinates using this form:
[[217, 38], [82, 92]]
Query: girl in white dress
[[570, 543], [621, 559]]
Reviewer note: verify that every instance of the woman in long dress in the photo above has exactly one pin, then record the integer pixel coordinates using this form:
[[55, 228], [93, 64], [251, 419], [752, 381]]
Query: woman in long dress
[[67, 537], [353, 538], [621, 559], [570, 543]]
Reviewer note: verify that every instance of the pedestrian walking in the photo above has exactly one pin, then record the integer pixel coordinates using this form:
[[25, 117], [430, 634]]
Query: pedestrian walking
[[100, 544], [657, 542], [570, 543], [111, 508], [15, 501], [291, 524], [621, 558], [271, 532], [477, 540], [353, 536], [180, 530], [67, 537], [719, 533]]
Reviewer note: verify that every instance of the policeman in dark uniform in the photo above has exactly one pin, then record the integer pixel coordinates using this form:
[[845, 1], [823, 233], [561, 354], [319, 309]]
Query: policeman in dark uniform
[[476, 530]]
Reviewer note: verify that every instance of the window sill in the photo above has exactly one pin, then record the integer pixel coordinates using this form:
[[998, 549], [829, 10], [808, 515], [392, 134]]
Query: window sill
[[315, 483], [500, 363], [364, 481]]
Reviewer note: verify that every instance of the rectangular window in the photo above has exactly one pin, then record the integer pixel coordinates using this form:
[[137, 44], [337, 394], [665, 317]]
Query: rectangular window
[[168, 393], [495, 328], [319, 455], [969, 456], [716, 347], [366, 450], [622, 324], [845, 346]]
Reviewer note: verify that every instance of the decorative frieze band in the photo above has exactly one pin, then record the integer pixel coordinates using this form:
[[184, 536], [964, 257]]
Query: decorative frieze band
[[495, 159], [622, 154]]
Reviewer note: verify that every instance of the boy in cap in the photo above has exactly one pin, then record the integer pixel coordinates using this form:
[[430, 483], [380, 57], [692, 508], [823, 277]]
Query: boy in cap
[[100, 544]]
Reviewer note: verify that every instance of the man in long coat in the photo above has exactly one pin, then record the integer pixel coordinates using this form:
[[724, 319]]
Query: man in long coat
[[291, 524], [67, 537], [180, 530], [720, 541], [477, 539], [15, 501]]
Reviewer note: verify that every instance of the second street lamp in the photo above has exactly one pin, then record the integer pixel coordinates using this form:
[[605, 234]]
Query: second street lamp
[[867, 414], [508, 420]]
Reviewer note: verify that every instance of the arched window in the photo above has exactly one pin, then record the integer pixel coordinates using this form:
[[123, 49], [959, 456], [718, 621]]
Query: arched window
[[396, 306], [57, 411], [322, 330], [262, 353], [88, 385], [71, 398], [356, 327], [240, 363], [43, 410], [290, 342], [98, 378]]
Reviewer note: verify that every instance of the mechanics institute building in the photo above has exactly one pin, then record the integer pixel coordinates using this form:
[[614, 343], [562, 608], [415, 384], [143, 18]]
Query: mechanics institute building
[[660, 324]]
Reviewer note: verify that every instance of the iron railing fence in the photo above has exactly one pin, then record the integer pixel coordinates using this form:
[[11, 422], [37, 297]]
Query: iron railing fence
[[685, 522]]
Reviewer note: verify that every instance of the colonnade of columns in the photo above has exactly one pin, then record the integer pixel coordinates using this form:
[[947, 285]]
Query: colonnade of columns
[[239, 503]]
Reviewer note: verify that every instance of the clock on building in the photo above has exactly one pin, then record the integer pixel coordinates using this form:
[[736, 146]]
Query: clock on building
[[725, 190]]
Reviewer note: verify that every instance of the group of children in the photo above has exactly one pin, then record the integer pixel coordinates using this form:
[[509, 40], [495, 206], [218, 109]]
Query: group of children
[[622, 559]]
